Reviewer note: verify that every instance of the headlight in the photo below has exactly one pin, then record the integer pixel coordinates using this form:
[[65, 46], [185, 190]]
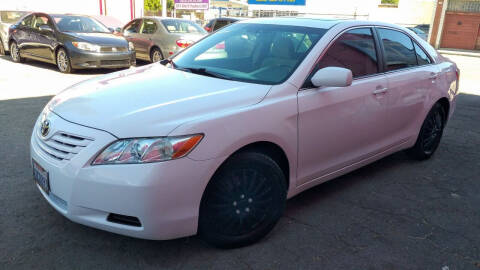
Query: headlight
[[146, 150], [86, 46], [130, 46]]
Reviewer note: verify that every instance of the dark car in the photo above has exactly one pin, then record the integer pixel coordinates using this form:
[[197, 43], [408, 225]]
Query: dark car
[[215, 24], [69, 41]]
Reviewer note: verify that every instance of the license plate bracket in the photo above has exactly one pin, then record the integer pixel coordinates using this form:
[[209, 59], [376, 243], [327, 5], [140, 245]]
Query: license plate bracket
[[41, 177]]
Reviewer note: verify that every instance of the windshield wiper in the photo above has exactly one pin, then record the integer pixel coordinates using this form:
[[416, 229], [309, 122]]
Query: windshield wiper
[[206, 72]]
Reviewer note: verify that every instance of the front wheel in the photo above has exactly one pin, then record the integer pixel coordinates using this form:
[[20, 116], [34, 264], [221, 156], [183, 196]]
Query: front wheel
[[430, 134], [63, 61], [243, 201]]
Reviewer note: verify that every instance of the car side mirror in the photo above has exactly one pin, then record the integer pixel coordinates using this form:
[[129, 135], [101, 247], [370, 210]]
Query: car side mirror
[[333, 77], [111, 29], [45, 28]]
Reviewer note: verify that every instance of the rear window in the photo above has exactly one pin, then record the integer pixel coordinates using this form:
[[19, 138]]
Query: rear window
[[182, 27], [11, 16]]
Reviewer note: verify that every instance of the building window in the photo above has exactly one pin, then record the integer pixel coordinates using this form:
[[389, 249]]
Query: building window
[[468, 6], [389, 3]]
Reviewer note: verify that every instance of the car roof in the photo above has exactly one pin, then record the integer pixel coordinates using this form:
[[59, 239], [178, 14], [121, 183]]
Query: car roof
[[315, 22]]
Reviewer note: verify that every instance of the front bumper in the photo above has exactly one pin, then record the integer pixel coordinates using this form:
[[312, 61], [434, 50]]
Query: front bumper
[[83, 59], [164, 196]]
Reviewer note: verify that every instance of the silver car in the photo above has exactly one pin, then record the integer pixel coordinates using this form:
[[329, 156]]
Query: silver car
[[157, 38], [7, 18]]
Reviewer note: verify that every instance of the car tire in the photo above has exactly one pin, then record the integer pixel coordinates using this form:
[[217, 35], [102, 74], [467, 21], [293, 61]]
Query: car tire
[[430, 134], [15, 53], [2, 49], [155, 55], [63, 61], [243, 201]]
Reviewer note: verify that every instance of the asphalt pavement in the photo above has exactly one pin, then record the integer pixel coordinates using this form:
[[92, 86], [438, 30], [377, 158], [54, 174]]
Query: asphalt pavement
[[393, 214]]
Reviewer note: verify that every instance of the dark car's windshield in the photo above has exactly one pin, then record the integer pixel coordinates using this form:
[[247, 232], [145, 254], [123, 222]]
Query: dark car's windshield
[[11, 16], [80, 24], [257, 53], [183, 27]]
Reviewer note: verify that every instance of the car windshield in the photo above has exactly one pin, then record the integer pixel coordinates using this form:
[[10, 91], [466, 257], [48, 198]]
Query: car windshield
[[80, 24], [257, 53], [183, 27], [11, 16]]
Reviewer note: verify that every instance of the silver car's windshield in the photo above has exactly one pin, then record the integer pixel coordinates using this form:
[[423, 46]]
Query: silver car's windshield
[[11, 16], [257, 53], [80, 24]]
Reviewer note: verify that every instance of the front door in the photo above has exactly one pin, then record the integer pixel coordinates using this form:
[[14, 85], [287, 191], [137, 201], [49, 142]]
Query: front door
[[132, 34], [339, 126], [43, 42]]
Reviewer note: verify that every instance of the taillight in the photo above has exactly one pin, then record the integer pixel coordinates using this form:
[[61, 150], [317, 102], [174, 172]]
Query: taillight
[[182, 43], [208, 29], [457, 72]]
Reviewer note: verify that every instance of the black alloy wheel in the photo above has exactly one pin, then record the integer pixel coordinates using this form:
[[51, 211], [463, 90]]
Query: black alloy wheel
[[243, 201]]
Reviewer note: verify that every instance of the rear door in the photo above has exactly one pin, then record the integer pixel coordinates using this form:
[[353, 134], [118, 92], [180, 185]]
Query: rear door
[[131, 33], [339, 126], [410, 76]]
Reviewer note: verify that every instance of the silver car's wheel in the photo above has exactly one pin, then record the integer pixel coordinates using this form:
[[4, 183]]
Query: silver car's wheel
[[2, 49], [63, 62], [15, 53], [156, 55]]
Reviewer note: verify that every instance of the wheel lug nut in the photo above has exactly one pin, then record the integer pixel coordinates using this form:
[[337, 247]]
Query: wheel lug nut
[[242, 196], [235, 203], [247, 209], [250, 200]]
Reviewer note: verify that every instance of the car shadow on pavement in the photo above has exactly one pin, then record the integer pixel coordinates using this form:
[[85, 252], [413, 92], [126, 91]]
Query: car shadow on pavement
[[396, 213], [43, 65]]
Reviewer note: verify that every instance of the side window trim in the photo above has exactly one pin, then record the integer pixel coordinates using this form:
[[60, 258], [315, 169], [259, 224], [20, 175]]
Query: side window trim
[[415, 43], [379, 54]]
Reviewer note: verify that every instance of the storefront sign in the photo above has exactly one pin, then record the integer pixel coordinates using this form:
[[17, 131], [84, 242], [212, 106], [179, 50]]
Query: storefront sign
[[191, 4], [277, 2]]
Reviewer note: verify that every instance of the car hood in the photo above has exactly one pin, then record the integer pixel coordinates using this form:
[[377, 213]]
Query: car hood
[[99, 38], [151, 100]]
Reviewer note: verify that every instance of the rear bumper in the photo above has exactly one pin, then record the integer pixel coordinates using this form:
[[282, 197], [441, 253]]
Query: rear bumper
[[83, 60]]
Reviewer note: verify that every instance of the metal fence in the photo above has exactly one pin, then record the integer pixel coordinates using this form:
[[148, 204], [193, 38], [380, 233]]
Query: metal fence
[[468, 6]]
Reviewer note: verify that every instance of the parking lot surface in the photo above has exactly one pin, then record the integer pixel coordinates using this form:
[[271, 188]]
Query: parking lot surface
[[393, 214]]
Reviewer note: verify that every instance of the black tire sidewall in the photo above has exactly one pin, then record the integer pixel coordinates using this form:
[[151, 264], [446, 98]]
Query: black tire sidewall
[[266, 166], [418, 151]]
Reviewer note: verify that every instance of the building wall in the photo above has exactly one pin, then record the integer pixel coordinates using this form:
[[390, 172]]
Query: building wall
[[116, 8]]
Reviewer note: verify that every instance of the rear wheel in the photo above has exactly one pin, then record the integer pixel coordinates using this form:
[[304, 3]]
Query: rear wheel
[[2, 49], [243, 201], [155, 55], [63, 61], [15, 53], [430, 134]]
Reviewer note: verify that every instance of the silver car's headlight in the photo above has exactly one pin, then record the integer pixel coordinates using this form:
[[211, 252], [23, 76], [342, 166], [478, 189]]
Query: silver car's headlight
[[130, 46], [85, 46], [146, 150]]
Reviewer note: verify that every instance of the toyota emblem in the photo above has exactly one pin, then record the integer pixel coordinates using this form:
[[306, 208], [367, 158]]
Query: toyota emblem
[[45, 128]]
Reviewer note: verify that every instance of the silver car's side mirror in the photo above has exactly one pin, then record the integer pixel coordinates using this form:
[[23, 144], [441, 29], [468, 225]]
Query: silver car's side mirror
[[332, 76]]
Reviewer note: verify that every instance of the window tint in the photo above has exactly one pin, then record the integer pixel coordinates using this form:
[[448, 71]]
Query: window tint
[[182, 26], [148, 27], [354, 50], [422, 57], [399, 51], [27, 21], [219, 24], [132, 27]]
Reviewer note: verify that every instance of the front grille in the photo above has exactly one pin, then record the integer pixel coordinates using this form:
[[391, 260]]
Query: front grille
[[113, 49], [62, 145], [114, 62]]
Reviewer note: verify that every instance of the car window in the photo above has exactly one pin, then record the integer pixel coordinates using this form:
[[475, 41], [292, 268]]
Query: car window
[[219, 24], [422, 57], [27, 22], [182, 26], [354, 50], [148, 27], [132, 27], [11, 16], [399, 50], [79, 24], [41, 20], [257, 53]]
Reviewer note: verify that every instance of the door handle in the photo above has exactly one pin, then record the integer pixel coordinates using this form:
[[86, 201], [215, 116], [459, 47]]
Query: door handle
[[380, 91], [433, 76]]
